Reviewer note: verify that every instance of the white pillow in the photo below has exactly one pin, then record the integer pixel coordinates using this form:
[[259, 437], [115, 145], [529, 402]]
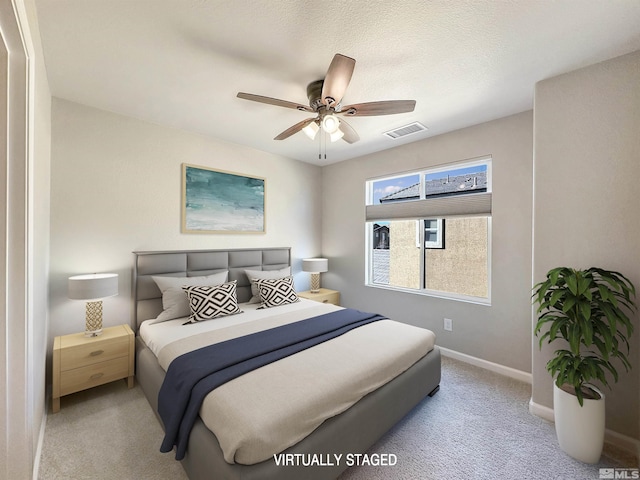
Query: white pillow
[[254, 275], [207, 302], [174, 300]]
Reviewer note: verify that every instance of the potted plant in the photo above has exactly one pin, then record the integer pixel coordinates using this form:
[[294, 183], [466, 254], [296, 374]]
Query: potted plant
[[589, 310]]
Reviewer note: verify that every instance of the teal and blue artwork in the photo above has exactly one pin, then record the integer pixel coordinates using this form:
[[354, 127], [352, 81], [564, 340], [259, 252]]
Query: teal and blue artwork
[[218, 201]]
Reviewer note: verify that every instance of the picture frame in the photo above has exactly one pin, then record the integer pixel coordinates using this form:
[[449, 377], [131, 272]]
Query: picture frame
[[218, 201]]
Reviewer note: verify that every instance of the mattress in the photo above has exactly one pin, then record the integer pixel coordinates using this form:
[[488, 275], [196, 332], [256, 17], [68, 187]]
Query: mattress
[[272, 408]]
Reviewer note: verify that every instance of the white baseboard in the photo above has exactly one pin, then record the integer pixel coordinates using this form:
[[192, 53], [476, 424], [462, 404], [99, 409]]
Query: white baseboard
[[541, 411], [494, 367], [623, 442], [38, 453]]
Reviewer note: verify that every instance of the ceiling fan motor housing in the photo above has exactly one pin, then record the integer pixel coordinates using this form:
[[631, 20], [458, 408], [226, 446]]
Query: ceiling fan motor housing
[[314, 94]]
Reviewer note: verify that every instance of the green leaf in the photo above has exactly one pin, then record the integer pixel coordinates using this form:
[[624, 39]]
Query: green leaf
[[587, 333], [555, 297], [604, 292], [569, 303], [554, 274], [599, 345], [572, 283], [585, 310], [546, 334], [556, 325], [611, 316], [578, 391], [584, 284]]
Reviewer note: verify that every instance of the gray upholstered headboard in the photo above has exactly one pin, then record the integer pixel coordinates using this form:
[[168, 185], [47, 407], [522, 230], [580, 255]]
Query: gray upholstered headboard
[[191, 263]]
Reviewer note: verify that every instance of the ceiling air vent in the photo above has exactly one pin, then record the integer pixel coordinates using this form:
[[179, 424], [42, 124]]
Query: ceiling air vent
[[414, 127]]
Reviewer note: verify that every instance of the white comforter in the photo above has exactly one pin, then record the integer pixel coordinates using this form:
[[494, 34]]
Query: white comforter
[[266, 411]]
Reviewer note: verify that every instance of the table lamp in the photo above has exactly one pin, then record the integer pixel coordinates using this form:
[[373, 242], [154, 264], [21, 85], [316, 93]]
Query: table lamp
[[315, 266], [93, 288]]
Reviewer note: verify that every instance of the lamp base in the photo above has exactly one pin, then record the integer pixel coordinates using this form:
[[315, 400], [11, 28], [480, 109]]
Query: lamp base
[[315, 282], [93, 322]]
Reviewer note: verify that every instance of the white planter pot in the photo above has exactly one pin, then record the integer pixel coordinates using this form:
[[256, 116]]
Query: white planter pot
[[580, 430]]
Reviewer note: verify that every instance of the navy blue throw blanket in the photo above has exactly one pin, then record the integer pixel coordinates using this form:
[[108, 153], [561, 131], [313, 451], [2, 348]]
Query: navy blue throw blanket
[[192, 376]]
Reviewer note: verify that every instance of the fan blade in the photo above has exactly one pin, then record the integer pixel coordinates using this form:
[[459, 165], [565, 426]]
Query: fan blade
[[274, 101], [350, 135], [387, 107], [337, 79], [294, 129]]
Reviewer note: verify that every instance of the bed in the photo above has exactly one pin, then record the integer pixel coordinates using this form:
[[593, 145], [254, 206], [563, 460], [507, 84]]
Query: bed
[[349, 432]]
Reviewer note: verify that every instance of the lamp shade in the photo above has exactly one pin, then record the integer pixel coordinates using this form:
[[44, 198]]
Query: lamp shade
[[93, 286], [315, 265]]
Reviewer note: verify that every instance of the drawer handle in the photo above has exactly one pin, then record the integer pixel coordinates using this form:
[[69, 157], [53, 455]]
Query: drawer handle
[[96, 376], [96, 353], [325, 301]]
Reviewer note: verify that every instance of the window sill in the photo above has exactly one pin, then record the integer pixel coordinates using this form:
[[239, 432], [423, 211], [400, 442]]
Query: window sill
[[432, 293]]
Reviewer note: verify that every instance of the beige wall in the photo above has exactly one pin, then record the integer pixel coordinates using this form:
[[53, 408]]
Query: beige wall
[[461, 267], [404, 255], [116, 188], [587, 202], [505, 326]]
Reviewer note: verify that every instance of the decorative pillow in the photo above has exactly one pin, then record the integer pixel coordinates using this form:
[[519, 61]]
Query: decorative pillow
[[174, 300], [275, 292], [208, 302], [254, 275]]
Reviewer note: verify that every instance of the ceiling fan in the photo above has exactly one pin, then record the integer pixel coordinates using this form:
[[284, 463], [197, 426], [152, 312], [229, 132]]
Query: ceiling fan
[[324, 100]]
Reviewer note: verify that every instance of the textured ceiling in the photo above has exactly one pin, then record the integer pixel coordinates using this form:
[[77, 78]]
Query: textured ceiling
[[181, 63]]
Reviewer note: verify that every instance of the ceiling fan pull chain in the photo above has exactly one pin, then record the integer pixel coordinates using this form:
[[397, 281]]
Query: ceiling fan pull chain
[[325, 144]]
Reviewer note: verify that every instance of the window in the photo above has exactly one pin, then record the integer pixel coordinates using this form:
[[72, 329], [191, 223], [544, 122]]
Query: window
[[429, 231], [434, 233]]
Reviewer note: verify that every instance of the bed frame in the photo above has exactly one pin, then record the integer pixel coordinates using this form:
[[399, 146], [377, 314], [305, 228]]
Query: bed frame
[[353, 431]]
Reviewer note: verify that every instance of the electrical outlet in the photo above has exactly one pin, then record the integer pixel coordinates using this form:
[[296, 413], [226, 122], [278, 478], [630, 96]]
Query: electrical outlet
[[448, 325]]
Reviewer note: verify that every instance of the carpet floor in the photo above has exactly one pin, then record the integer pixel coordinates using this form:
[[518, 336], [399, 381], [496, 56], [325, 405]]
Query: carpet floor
[[476, 427]]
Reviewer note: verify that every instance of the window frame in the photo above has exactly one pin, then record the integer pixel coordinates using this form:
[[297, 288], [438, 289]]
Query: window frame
[[421, 241]]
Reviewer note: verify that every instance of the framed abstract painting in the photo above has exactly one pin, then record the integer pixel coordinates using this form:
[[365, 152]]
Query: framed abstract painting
[[215, 201]]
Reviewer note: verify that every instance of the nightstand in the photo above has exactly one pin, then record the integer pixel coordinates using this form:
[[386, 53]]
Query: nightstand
[[323, 296], [81, 362]]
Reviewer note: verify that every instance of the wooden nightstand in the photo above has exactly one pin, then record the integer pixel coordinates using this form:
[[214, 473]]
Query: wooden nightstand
[[81, 362], [323, 296]]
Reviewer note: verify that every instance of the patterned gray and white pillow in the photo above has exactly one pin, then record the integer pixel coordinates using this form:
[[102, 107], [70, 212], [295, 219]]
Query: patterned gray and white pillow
[[254, 275], [276, 292], [207, 302]]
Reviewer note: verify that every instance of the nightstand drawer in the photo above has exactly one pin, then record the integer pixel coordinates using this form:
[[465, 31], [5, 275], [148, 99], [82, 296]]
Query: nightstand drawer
[[324, 295], [333, 298], [77, 379], [84, 355]]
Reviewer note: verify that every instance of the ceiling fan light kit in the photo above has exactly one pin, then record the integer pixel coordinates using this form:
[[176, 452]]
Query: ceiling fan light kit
[[324, 99], [330, 124], [311, 130]]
